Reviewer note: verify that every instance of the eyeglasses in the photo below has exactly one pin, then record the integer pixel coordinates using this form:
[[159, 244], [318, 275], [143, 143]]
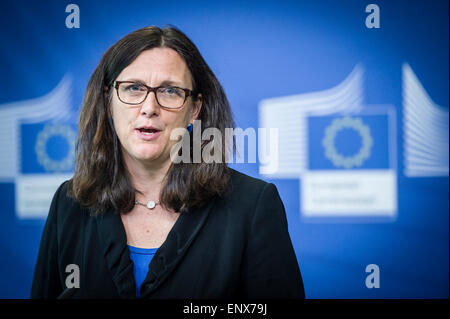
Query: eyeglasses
[[134, 93]]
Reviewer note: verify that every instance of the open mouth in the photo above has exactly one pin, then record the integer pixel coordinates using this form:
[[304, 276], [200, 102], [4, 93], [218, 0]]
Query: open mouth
[[147, 131]]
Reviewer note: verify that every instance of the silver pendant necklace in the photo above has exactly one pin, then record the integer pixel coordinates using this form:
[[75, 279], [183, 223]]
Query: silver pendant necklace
[[150, 204]]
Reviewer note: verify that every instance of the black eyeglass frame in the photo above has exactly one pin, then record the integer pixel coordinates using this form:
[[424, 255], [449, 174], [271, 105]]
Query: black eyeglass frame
[[187, 92]]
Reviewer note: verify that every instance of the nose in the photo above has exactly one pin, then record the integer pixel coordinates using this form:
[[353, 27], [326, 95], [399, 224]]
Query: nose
[[150, 106]]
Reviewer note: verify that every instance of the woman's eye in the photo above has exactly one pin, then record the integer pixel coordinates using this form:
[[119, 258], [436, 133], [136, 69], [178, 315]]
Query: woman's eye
[[133, 87], [171, 91]]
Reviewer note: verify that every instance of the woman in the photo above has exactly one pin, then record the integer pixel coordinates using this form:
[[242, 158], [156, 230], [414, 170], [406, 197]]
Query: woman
[[132, 222]]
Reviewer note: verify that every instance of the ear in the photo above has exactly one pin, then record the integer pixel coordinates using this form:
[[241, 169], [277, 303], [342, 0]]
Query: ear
[[196, 108]]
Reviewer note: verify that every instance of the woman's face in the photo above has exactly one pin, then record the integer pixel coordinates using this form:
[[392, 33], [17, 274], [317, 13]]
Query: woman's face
[[155, 67]]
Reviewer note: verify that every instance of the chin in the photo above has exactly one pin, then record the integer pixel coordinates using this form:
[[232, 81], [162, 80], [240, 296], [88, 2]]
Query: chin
[[146, 153], [149, 157]]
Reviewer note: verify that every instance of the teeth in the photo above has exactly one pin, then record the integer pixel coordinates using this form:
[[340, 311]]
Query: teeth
[[147, 133]]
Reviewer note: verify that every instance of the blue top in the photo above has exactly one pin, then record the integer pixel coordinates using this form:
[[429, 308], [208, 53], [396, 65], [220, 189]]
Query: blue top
[[141, 258]]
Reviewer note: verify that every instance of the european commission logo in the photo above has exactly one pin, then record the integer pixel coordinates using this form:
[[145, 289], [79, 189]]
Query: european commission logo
[[352, 165], [38, 148], [344, 152]]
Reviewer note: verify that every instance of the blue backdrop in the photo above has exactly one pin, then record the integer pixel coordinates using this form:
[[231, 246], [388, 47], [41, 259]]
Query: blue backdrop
[[302, 65]]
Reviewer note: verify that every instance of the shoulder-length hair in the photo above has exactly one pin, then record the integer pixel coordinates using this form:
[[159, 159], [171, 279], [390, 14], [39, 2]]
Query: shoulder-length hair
[[100, 180]]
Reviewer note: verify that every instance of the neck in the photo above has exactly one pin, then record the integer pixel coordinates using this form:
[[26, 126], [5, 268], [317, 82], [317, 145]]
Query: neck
[[146, 178]]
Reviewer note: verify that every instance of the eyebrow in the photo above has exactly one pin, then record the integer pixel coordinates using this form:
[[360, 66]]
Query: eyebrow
[[163, 83]]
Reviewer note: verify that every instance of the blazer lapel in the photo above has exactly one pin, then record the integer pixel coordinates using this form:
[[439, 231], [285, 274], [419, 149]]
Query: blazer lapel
[[170, 253], [113, 240]]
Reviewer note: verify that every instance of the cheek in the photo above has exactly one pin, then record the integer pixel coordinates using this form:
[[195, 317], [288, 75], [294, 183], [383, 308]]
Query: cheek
[[175, 119], [121, 122]]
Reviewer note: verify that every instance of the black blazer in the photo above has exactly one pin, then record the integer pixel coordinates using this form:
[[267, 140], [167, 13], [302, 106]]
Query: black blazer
[[236, 246]]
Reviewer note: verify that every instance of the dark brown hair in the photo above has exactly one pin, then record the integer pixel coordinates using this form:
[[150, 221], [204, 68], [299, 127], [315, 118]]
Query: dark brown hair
[[101, 180]]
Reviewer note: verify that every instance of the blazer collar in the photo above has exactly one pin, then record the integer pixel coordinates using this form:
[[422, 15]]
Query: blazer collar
[[113, 241], [171, 252], [115, 250]]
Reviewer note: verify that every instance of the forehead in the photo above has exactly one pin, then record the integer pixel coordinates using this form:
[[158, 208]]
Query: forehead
[[157, 65]]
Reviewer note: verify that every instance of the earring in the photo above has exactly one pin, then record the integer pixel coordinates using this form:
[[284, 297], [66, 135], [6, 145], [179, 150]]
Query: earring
[[189, 127]]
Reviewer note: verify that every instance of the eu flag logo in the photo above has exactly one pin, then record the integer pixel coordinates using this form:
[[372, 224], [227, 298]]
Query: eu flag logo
[[351, 165], [348, 142], [47, 148]]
